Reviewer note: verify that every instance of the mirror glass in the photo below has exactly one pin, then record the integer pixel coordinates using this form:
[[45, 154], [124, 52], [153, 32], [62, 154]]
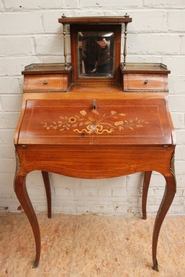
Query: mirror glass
[[95, 54]]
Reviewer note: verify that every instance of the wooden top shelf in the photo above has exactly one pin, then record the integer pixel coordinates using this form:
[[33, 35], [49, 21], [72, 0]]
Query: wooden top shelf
[[144, 68], [95, 20], [46, 68]]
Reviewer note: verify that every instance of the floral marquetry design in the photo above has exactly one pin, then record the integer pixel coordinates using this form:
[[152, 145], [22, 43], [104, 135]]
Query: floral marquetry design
[[93, 122]]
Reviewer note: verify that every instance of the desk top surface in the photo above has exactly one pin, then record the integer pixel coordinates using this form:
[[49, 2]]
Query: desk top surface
[[95, 121]]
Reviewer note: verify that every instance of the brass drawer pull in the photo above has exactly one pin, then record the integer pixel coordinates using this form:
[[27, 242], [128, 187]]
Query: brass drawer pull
[[45, 82], [146, 82]]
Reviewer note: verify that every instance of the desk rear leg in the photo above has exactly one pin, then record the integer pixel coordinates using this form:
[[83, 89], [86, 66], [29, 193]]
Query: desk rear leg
[[146, 182], [45, 176]]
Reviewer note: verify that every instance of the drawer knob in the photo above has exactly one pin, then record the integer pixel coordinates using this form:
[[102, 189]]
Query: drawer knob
[[45, 82], [146, 82]]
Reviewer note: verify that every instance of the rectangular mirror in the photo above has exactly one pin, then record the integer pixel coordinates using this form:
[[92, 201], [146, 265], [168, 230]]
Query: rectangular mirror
[[95, 52]]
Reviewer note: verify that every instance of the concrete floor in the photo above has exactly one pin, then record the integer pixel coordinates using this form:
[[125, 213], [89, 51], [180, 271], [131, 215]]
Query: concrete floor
[[90, 246]]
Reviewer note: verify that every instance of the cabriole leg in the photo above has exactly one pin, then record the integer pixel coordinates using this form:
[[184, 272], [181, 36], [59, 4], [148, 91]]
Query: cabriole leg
[[163, 209], [146, 182], [22, 195], [45, 176]]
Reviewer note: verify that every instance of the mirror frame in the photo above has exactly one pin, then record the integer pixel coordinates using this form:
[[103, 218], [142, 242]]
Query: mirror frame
[[101, 24], [110, 28]]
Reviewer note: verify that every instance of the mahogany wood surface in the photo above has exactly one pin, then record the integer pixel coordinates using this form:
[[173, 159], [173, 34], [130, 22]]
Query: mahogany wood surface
[[57, 82], [144, 68], [95, 131], [95, 20], [146, 82], [47, 77], [113, 122], [116, 29], [46, 68], [144, 77]]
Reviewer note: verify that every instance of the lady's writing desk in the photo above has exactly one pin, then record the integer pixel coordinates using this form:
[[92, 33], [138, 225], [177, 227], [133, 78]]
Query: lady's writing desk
[[95, 130]]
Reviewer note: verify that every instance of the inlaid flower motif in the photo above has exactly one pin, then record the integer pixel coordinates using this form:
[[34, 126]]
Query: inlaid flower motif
[[72, 119], [117, 123], [93, 122], [83, 112]]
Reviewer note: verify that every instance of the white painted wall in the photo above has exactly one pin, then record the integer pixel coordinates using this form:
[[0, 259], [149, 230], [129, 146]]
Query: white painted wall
[[30, 33]]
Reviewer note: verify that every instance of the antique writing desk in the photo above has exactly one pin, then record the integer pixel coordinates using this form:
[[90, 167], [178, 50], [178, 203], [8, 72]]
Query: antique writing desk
[[84, 123]]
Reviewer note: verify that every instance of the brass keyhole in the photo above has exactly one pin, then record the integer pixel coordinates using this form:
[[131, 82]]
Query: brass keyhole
[[94, 105]]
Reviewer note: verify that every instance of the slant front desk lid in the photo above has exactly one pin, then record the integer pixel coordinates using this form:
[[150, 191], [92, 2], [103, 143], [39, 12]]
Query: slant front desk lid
[[85, 121]]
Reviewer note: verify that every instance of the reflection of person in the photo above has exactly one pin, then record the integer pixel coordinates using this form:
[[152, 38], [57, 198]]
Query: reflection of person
[[95, 54], [103, 56], [81, 62], [87, 52]]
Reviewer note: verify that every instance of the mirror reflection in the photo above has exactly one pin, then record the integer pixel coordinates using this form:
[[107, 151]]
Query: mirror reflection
[[95, 54]]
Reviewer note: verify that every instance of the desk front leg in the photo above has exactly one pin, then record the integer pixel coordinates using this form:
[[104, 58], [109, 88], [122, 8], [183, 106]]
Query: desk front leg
[[168, 197], [22, 195]]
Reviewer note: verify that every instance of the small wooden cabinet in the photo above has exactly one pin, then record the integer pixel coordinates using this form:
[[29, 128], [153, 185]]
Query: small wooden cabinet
[[145, 77], [47, 77], [95, 118]]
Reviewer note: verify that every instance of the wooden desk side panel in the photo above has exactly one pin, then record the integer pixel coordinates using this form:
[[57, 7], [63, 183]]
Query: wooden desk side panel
[[22, 112]]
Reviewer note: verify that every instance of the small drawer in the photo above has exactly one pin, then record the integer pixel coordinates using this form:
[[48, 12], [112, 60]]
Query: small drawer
[[46, 82], [145, 82]]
